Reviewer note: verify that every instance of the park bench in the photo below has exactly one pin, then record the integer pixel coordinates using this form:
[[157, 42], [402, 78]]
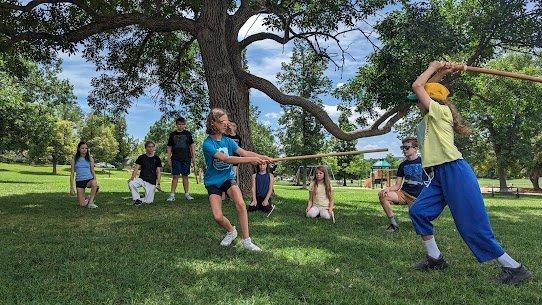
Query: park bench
[[503, 191]]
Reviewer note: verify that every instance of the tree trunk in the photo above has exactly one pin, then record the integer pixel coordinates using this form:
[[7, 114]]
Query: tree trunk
[[534, 176], [501, 172], [54, 160], [219, 52]]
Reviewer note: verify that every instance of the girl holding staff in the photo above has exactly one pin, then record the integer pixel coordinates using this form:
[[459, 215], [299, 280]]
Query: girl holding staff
[[453, 183]]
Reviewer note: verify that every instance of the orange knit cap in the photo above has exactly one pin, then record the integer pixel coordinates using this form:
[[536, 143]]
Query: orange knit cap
[[436, 91]]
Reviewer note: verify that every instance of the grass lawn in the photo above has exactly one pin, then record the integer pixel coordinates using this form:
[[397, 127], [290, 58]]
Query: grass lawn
[[52, 252]]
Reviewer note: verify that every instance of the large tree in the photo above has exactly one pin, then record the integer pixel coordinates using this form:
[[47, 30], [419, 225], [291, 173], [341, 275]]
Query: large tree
[[301, 133], [339, 145], [99, 133], [508, 111], [168, 43], [57, 147]]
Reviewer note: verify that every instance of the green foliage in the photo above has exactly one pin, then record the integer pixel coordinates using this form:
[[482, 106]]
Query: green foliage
[[99, 133], [36, 112], [343, 162], [159, 132], [508, 112], [302, 134], [126, 143], [423, 31], [262, 135]]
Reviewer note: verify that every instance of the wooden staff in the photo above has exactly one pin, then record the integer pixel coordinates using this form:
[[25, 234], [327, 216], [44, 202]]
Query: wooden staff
[[334, 154], [503, 73]]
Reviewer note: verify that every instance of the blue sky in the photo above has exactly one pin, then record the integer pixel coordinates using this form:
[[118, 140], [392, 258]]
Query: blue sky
[[264, 59]]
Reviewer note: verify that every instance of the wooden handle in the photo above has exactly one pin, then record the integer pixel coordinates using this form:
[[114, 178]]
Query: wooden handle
[[334, 154], [503, 73]]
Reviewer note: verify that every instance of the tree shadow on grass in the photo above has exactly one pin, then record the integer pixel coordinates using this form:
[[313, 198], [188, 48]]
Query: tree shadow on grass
[[170, 253], [40, 173], [19, 182]]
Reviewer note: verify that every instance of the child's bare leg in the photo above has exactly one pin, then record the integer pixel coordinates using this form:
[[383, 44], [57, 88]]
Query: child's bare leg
[[94, 190], [216, 208], [235, 194], [81, 196]]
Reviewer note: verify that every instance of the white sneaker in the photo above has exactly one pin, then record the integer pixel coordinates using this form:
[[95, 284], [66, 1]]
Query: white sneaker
[[230, 236], [171, 198], [247, 243], [188, 197], [91, 206]]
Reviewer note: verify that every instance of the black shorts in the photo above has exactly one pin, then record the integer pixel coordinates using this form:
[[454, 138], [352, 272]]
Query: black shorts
[[214, 190], [83, 183]]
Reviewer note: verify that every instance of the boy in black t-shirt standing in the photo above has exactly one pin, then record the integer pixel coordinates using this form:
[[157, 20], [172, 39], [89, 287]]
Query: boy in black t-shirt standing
[[409, 183], [181, 151], [149, 176]]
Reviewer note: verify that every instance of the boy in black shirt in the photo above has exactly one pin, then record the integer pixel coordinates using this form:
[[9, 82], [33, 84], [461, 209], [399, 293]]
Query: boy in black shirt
[[149, 177], [409, 183], [181, 151]]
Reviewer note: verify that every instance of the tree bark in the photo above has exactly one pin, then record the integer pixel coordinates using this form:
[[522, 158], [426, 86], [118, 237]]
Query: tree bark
[[54, 160], [501, 172], [219, 54], [534, 176]]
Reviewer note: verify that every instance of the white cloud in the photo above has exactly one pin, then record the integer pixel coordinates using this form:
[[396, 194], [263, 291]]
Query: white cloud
[[339, 85], [334, 113], [268, 66], [274, 115]]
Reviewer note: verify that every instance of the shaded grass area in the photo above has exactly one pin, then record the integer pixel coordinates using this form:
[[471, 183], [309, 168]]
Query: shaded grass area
[[53, 252]]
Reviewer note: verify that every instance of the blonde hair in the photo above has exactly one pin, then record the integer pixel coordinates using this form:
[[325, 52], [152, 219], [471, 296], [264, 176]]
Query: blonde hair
[[214, 117], [327, 182], [458, 124]]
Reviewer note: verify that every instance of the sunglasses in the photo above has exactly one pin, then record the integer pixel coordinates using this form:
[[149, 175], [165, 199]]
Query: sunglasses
[[406, 147]]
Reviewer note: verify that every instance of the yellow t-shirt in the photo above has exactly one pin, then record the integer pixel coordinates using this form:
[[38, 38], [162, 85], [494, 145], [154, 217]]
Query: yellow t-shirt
[[320, 199], [436, 136]]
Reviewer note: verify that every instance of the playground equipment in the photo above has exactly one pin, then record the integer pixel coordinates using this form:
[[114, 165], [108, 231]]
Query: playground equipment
[[381, 174]]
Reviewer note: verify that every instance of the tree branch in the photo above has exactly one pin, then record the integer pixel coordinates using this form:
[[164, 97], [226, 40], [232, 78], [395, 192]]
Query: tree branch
[[265, 86], [103, 24], [33, 4]]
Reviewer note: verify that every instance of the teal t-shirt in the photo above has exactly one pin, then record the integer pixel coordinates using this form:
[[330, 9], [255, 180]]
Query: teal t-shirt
[[217, 171]]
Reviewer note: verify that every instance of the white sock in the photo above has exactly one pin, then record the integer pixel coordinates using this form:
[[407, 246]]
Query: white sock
[[431, 248], [506, 261]]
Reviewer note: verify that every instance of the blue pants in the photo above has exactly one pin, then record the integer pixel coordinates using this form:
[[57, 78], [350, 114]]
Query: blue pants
[[454, 184]]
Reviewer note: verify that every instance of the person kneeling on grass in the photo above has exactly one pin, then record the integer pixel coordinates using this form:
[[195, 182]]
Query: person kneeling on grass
[[262, 189], [320, 195], [218, 151], [149, 176], [409, 183], [453, 182], [82, 175]]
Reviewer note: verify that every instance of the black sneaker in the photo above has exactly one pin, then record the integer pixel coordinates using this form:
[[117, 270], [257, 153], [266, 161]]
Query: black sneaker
[[513, 276], [431, 263], [392, 228], [138, 202]]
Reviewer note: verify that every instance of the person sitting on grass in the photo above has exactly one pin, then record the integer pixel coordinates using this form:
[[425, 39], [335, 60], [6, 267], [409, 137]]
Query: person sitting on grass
[[453, 182], [218, 151], [82, 175], [320, 195], [409, 182], [262, 189], [149, 176]]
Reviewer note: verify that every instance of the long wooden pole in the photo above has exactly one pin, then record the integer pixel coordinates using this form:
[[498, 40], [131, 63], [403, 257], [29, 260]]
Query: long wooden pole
[[503, 73], [334, 154]]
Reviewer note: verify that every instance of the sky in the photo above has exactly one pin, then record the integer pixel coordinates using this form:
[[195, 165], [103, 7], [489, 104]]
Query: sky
[[264, 59]]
